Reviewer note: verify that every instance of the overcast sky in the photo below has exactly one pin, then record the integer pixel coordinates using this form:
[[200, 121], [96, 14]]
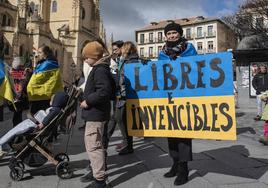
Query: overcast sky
[[123, 17]]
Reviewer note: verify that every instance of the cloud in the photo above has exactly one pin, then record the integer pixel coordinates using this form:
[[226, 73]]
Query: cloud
[[120, 19], [123, 17], [224, 12], [231, 4]]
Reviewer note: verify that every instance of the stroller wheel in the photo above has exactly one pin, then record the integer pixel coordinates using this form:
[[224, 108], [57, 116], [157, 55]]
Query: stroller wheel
[[16, 174], [21, 165], [63, 171], [62, 157]]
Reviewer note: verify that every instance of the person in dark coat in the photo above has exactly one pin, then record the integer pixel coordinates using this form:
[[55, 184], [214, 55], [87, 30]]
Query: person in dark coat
[[115, 58], [96, 108], [129, 55], [20, 77], [260, 84], [180, 149]]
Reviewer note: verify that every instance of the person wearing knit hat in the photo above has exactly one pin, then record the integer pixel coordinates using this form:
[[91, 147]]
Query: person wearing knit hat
[[180, 149], [93, 50], [176, 45], [173, 26], [96, 107]]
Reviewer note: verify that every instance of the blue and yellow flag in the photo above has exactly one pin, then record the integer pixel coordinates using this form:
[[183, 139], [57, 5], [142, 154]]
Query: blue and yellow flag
[[45, 81], [5, 86]]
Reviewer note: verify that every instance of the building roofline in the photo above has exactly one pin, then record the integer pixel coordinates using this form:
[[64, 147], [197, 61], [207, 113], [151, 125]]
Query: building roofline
[[206, 20], [9, 6]]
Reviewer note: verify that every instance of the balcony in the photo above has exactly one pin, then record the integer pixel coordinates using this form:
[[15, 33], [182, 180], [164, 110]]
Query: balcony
[[189, 37], [146, 55], [200, 35], [207, 51], [211, 50], [147, 41], [211, 34], [8, 28], [201, 51], [159, 40]]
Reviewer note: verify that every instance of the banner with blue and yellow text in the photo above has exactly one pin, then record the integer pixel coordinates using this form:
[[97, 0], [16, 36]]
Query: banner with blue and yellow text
[[191, 97]]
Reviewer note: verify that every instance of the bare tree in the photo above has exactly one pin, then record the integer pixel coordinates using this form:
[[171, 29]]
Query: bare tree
[[250, 18]]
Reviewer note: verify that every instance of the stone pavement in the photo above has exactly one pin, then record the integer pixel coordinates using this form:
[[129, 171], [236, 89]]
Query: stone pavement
[[217, 164]]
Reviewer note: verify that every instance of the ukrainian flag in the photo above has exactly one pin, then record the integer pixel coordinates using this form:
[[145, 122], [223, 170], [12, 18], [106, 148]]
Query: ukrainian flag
[[45, 81], [5, 86]]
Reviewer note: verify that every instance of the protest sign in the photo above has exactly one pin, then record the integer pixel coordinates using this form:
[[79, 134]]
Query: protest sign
[[191, 97]]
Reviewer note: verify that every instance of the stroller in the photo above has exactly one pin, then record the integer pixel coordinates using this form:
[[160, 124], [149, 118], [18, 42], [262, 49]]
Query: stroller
[[33, 148]]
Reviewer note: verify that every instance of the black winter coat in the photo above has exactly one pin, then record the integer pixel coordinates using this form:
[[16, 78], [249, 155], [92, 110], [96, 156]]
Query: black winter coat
[[97, 94], [260, 82], [59, 102]]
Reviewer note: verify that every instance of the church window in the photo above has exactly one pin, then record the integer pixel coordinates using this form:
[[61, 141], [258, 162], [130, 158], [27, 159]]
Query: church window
[[83, 13], [8, 22], [7, 50], [4, 20], [21, 51], [54, 6], [32, 7]]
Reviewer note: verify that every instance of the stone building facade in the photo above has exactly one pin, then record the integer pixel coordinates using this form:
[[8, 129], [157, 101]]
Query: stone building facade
[[66, 26]]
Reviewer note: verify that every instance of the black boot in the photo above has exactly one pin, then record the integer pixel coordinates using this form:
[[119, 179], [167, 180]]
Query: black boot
[[126, 150], [173, 171], [183, 172], [97, 184]]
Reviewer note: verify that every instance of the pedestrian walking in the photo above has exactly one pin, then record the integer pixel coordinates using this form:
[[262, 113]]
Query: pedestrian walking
[[129, 55], [115, 58], [264, 138], [180, 149], [260, 84], [20, 77]]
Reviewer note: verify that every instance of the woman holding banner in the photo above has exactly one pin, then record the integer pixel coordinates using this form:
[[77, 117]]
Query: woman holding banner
[[180, 149], [129, 55]]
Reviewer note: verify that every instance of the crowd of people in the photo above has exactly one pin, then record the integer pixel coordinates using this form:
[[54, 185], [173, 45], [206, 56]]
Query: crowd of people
[[103, 112], [103, 102]]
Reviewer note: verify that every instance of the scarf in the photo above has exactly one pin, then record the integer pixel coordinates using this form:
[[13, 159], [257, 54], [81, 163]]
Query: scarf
[[175, 48]]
